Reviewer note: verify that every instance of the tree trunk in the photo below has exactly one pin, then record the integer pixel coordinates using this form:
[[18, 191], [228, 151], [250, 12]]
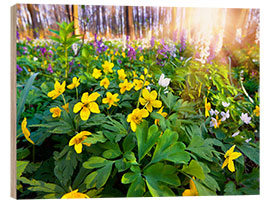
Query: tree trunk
[[34, 20], [76, 20], [130, 25]]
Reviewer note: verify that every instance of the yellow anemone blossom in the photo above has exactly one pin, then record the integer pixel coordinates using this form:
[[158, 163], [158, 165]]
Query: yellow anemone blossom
[[25, 131], [58, 90], [138, 83], [125, 86], [87, 105], [192, 191], [105, 83], [149, 100], [107, 67], [160, 111], [207, 107], [141, 58], [112, 58], [256, 111], [66, 107], [121, 74], [74, 195], [124, 54], [75, 83], [134, 74], [56, 112], [77, 141], [96, 73], [110, 99], [146, 72], [229, 157], [135, 118]]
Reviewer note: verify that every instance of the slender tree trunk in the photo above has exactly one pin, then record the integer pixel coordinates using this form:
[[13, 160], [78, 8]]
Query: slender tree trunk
[[104, 20], [32, 12], [76, 20]]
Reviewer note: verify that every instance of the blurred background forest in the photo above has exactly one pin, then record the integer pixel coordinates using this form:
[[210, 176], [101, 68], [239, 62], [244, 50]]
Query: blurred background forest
[[174, 23]]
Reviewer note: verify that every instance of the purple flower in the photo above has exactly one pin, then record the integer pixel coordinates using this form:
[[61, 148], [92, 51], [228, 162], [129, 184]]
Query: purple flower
[[131, 53], [19, 69], [43, 50], [50, 53], [50, 68], [119, 61], [152, 41], [28, 39], [17, 35], [183, 38]]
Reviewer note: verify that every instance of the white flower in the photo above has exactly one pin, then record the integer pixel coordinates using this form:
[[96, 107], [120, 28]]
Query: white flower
[[149, 88], [244, 117], [247, 140], [212, 112], [164, 82], [225, 115], [213, 122], [225, 104], [75, 48], [35, 58], [235, 134]]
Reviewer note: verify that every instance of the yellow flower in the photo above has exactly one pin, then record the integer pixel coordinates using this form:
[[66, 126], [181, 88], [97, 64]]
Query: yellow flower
[[229, 157], [135, 118], [138, 83], [74, 195], [192, 191], [149, 100], [105, 83], [75, 83], [160, 111], [58, 90], [25, 131], [107, 67], [111, 52], [56, 112], [96, 73], [256, 111], [112, 58], [121, 74], [77, 141], [66, 107], [134, 74], [146, 72], [96, 58], [141, 58], [110, 99], [87, 105], [207, 107], [124, 54], [125, 86]]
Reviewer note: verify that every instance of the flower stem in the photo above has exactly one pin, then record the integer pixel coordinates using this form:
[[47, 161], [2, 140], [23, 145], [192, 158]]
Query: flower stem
[[76, 92], [64, 99]]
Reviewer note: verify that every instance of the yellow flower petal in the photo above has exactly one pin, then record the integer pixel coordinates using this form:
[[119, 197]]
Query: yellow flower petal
[[78, 148], [231, 166], [93, 97], [77, 107], [84, 98], [85, 113], [93, 106], [133, 126], [156, 104], [235, 155]]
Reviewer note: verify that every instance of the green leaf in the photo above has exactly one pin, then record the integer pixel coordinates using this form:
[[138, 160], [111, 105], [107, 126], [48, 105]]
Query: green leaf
[[161, 119], [113, 150], [40, 186], [169, 149], [169, 100], [158, 176], [23, 96], [129, 177], [95, 162], [20, 167], [230, 189], [202, 190], [137, 188], [194, 169], [146, 138], [65, 163], [99, 177], [201, 148], [252, 153], [94, 138]]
